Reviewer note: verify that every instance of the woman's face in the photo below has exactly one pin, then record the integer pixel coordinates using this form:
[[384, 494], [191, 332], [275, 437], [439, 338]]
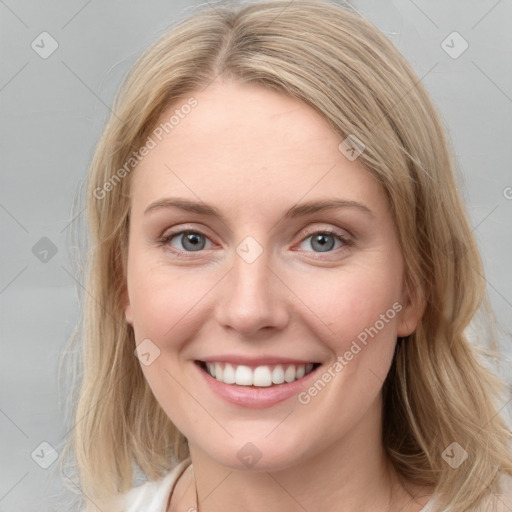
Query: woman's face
[[262, 279]]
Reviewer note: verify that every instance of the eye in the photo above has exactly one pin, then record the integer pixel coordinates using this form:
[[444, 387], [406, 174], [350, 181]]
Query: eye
[[185, 241], [325, 241], [190, 241]]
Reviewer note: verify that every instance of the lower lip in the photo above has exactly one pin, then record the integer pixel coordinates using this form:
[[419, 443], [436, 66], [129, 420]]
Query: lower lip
[[256, 397]]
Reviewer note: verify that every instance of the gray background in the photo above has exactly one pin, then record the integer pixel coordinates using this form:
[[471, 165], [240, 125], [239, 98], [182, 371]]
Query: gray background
[[53, 111]]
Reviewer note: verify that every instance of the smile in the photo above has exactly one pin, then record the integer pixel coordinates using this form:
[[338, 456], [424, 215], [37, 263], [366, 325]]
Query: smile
[[259, 376]]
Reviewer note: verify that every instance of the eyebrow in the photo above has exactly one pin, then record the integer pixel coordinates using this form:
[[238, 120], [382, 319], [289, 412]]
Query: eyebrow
[[295, 211]]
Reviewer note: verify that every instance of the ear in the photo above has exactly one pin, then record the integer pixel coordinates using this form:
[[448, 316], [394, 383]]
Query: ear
[[127, 306], [124, 294], [414, 303]]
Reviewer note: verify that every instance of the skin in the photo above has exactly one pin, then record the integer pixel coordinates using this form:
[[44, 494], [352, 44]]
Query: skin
[[254, 153]]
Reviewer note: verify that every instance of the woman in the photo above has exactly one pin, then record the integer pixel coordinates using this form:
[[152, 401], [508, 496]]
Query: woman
[[281, 277]]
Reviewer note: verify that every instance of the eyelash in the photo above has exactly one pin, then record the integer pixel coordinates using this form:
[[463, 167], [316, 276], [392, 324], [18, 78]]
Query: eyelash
[[347, 243]]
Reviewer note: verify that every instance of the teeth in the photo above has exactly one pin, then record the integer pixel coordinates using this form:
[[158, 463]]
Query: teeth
[[261, 376], [228, 375], [289, 374], [278, 374], [214, 369], [243, 376]]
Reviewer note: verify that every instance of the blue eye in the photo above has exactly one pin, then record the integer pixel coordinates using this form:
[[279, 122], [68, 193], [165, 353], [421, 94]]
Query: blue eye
[[191, 241], [324, 241]]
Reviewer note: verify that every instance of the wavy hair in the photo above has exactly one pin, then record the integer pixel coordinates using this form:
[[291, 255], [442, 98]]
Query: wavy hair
[[439, 389]]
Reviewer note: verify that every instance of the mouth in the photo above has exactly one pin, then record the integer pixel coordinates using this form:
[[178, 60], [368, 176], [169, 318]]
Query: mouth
[[259, 376]]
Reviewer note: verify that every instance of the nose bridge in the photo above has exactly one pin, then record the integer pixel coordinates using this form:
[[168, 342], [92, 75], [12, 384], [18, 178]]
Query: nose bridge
[[252, 297]]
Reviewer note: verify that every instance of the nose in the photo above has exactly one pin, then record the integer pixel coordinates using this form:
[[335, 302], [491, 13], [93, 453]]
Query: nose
[[252, 298]]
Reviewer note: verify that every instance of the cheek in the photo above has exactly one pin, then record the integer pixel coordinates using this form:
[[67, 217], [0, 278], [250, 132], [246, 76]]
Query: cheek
[[165, 306], [162, 300], [352, 301]]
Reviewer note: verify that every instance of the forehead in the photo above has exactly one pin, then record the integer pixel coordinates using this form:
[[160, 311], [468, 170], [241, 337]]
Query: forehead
[[243, 143]]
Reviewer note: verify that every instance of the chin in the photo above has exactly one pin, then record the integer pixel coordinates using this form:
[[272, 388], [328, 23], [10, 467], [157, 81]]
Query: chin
[[258, 455]]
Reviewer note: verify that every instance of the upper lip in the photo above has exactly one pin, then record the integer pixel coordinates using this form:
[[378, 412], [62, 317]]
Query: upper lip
[[254, 361]]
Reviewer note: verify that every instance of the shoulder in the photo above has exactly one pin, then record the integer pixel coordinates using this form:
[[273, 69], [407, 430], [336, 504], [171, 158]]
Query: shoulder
[[153, 496]]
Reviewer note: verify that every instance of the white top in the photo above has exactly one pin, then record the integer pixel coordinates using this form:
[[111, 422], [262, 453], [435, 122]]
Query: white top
[[154, 496]]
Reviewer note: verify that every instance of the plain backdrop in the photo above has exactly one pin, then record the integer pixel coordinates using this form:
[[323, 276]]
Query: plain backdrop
[[53, 108]]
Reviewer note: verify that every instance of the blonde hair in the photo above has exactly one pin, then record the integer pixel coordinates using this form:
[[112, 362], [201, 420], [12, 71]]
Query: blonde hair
[[438, 390]]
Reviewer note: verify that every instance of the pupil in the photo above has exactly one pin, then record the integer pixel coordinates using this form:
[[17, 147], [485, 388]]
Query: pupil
[[192, 241], [324, 244]]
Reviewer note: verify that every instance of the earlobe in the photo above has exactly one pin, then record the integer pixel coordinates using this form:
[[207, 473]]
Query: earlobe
[[413, 309], [127, 307], [128, 313]]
